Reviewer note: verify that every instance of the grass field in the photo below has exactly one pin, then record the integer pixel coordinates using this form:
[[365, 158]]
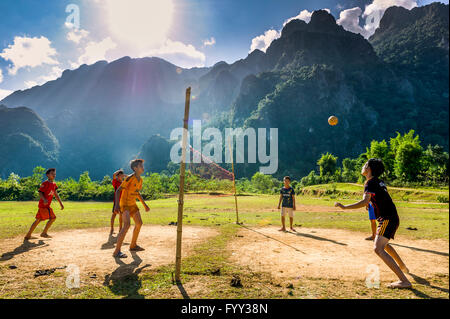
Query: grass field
[[200, 278]]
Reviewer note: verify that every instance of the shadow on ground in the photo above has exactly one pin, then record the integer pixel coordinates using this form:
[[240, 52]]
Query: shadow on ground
[[23, 248], [125, 281]]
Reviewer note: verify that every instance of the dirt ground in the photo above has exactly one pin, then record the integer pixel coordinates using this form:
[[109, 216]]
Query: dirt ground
[[91, 250], [331, 253]]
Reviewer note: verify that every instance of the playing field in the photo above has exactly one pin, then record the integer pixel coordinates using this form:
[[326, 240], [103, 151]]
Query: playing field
[[327, 257]]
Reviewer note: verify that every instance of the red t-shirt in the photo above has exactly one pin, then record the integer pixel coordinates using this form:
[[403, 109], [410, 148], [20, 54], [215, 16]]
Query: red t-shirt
[[48, 189], [116, 185]]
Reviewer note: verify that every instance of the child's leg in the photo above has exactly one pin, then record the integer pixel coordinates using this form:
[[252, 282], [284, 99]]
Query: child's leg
[[283, 223], [32, 228], [373, 225], [120, 222], [47, 227], [113, 217], [123, 232], [391, 251], [291, 221], [379, 248], [137, 228]]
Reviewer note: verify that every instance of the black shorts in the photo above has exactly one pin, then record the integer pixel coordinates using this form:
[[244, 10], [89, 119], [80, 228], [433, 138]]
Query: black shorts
[[387, 227]]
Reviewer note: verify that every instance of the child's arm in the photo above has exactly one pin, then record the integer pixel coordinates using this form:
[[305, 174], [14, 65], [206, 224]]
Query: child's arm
[[279, 202], [293, 200], [116, 201], [59, 200], [364, 202], [143, 202], [41, 196]]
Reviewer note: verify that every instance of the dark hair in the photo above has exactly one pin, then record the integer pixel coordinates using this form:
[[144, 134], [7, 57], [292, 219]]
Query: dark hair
[[50, 170], [120, 172], [287, 177], [134, 163], [376, 166]]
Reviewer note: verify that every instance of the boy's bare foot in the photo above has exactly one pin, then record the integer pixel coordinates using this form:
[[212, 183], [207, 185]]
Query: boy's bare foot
[[136, 248], [120, 255], [400, 285], [282, 229], [46, 235], [292, 229], [370, 238]]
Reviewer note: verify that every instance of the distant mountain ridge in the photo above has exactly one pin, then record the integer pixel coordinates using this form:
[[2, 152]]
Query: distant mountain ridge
[[102, 114], [24, 135]]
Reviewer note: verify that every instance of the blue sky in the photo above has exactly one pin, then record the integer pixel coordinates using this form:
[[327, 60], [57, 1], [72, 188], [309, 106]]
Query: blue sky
[[39, 39]]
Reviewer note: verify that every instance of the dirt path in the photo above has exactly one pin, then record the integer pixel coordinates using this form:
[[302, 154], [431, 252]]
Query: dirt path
[[91, 249], [331, 253]]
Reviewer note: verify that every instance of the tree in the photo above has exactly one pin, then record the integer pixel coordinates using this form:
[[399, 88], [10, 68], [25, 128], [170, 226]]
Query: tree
[[407, 164], [382, 151], [327, 164], [435, 164], [350, 170]]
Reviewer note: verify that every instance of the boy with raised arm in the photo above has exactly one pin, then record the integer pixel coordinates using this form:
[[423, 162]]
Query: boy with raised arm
[[47, 190], [376, 193], [127, 206]]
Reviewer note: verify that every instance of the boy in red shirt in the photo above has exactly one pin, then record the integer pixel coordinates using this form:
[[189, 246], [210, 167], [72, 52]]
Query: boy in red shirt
[[47, 190], [116, 182]]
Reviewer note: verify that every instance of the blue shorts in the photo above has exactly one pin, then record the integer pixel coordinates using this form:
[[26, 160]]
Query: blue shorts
[[371, 212]]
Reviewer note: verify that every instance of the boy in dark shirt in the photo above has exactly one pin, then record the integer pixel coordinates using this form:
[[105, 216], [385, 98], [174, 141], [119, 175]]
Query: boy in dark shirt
[[287, 202], [375, 192]]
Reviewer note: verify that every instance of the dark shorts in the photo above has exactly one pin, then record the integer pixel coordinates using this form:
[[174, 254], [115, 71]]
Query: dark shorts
[[387, 227]]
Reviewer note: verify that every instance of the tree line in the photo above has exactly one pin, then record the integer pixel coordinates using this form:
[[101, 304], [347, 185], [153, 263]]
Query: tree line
[[407, 164]]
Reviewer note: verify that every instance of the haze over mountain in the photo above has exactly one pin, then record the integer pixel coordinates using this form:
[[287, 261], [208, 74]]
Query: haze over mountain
[[103, 113]]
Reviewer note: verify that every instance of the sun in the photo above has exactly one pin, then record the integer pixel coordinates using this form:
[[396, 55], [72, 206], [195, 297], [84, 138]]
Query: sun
[[142, 23]]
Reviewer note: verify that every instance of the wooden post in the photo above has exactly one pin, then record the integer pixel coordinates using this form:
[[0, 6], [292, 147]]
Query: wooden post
[[234, 184], [181, 194]]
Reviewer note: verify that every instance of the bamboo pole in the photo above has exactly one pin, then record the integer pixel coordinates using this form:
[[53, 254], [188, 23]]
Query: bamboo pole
[[181, 194], [234, 183]]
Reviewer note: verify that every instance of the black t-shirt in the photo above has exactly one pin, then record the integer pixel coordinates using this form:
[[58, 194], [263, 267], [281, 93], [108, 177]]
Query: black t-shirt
[[381, 200], [288, 197]]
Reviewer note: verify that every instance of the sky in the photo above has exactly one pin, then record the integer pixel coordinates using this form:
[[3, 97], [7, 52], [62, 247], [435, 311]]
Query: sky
[[40, 39]]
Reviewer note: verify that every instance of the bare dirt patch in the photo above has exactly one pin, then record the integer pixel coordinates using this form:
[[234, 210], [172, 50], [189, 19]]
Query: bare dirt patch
[[91, 250], [331, 254]]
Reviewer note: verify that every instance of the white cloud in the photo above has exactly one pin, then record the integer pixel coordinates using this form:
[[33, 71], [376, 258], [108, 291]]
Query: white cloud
[[4, 93], [30, 84], [263, 41], [95, 51], [77, 35], [304, 15], [209, 42], [1, 76], [374, 12], [349, 20], [183, 55], [54, 73], [29, 52]]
